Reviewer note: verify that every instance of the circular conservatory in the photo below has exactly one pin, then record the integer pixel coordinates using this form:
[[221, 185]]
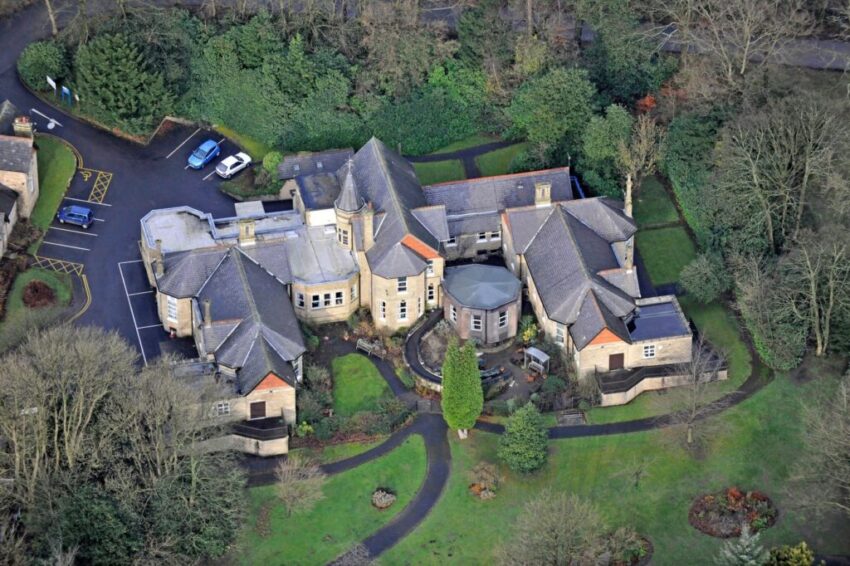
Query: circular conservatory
[[482, 302]]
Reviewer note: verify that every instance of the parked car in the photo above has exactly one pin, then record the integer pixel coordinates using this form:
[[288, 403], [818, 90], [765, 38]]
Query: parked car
[[232, 165], [79, 215], [205, 153]]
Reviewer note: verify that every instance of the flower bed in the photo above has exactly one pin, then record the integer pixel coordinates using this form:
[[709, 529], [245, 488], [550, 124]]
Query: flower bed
[[721, 514]]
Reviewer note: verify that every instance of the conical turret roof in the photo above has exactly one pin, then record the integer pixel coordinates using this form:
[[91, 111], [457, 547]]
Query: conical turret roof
[[349, 200]]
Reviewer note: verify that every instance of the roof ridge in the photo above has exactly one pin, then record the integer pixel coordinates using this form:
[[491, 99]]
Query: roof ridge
[[480, 180], [539, 228]]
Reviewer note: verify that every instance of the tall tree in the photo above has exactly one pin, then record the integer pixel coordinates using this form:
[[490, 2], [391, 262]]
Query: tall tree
[[551, 111], [638, 155], [463, 397], [821, 477], [599, 150], [523, 446]]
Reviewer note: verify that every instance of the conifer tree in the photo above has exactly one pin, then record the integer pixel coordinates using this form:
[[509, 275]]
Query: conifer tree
[[743, 551], [523, 446], [463, 398], [117, 85]]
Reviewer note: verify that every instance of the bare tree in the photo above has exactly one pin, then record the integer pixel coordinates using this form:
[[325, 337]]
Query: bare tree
[[693, 401], [816, 278], [821, 478], [51, 15], [639, 157], [299, 483], [737, 35]]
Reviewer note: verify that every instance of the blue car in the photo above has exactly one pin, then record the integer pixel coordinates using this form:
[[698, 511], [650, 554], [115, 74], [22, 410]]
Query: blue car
[[79, 215], [205, 153]]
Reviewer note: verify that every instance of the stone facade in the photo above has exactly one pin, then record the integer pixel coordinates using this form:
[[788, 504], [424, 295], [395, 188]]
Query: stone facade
[[25, 183], [490, 331]]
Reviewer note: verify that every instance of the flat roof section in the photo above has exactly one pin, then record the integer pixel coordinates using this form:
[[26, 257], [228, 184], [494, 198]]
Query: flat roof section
[[659, 320]]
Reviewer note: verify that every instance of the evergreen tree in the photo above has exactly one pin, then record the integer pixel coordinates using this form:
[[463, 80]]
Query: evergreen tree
[[523, 446], [463, 397], [743, 551], [118, 86]]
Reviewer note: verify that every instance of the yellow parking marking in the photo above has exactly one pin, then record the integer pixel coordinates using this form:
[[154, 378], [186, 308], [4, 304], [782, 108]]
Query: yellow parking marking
[[100, 186], [87, 304], [58, 265]]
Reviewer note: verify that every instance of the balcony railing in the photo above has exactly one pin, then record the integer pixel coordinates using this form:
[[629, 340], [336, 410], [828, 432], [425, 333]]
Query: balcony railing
[[262, 429]]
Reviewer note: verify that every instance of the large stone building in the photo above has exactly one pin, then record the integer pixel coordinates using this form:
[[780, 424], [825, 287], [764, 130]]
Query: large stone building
[[368, 235], [18, 170]]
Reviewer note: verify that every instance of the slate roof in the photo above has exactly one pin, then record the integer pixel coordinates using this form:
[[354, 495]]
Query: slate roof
[[15, 154], [266, 335], [498, 193], [186, 272], [319, 190], [565, 258], [8, 112], [433, 218], [348, 200], [658, 320], [8, 198], [310, 163], [481, 286]]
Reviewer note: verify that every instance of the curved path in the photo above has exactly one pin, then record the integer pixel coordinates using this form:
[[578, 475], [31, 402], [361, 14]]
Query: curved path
[[466, 156]]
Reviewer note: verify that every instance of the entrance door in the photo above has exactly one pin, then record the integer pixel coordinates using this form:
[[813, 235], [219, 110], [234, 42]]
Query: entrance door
[[616, 361], [258, 410]]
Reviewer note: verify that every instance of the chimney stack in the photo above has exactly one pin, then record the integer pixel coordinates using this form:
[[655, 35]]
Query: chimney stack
[[628, 207], [543, 194], [23, 127], [207, 313], [157, 259], [247, 235], [368, 227]]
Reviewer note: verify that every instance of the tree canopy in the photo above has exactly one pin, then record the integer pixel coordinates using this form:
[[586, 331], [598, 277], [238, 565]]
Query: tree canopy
[[463, 397]]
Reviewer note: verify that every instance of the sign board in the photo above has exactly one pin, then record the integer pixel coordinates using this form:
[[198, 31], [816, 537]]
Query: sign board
[[66, 94], [52, 84]]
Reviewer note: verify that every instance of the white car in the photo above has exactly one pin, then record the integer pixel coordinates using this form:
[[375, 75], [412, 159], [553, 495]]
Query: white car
[[232, 165]]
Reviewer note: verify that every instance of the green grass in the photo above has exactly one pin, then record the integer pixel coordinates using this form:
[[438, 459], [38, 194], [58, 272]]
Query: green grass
[[722, 330], [343, 518], [337, 452], [498, 162], [357, 384], [439, 171], [471, 141], [665, 252], [754, 450], [653, 205], [59, 282], [56, 167], [256, 149]]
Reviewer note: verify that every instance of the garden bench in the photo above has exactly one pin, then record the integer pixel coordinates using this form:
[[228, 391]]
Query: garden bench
[[371, 348]]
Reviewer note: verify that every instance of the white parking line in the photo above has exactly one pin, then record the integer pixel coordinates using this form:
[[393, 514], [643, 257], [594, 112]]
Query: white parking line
[[98, 219], [140, 293], [131, 261], [72, 231], [65, 246], [148, 326], [210, 175], [87, 201], [182, 144], [132, 314]]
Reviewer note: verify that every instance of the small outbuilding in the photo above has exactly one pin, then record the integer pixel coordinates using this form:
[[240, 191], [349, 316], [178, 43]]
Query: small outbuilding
[[482, 302]]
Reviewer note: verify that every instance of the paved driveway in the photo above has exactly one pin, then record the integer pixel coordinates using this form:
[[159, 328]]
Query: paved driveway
[[120, 181]]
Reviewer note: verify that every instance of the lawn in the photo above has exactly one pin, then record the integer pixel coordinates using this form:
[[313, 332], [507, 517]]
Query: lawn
[[59, 282], [665, 251], [357, 384], [653, 205], [722, 330], [498, 162], [343, 518], [471, 141], [337, 452], [56, 167], [439, 171], [256, 149], [761, 439]]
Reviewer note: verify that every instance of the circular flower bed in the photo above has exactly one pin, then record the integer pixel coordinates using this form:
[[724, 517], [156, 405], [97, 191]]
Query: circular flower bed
[[383, 498], [38, 294], [721, 514]]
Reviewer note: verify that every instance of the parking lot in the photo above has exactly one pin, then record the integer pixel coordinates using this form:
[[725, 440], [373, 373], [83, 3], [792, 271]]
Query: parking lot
[[120, 182]]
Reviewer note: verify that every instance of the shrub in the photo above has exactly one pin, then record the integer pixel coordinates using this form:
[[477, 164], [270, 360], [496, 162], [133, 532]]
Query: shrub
[[523, 446], [318, 377], [40, 60], [310, 406], [270, 162], [310, 338], [706, 278], [527, 329], [799, 555], [326, 428], [303, 430]]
